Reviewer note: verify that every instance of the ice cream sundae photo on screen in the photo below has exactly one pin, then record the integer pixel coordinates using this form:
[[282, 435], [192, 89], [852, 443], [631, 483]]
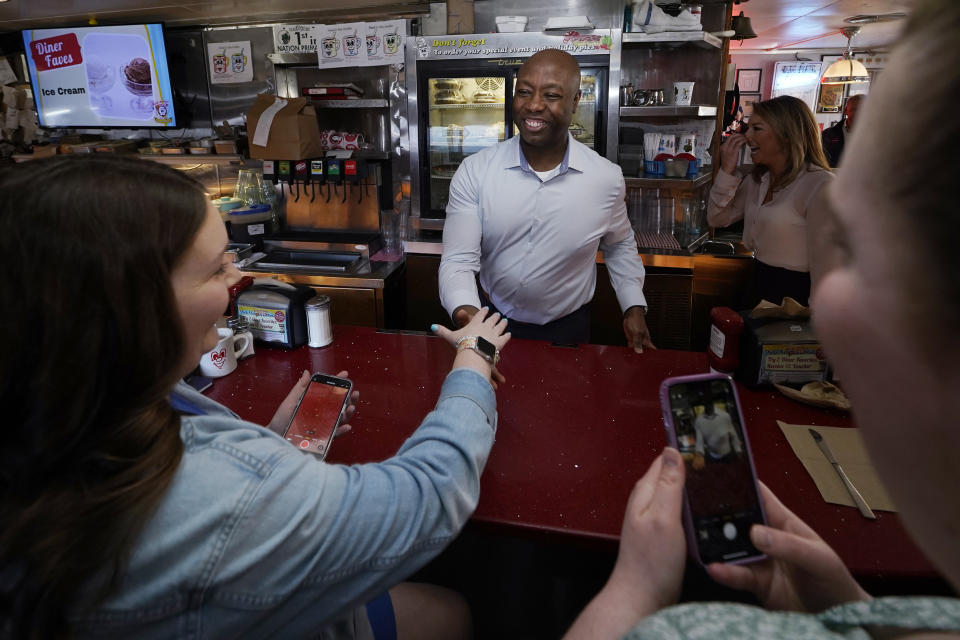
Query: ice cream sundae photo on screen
[[136, 78], [101, 77]]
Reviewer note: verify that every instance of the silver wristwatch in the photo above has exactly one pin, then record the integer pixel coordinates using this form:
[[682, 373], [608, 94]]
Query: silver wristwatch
[[482, 346]]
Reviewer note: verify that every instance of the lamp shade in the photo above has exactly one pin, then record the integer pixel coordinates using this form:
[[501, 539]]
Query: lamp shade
[[845, 71]]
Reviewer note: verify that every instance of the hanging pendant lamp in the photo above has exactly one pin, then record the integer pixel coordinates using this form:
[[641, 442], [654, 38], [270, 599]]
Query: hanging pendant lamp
[[846, 70]]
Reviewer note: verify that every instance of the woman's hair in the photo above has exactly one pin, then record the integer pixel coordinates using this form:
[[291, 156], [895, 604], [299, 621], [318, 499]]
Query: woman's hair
[[92, 347], [794, 126]]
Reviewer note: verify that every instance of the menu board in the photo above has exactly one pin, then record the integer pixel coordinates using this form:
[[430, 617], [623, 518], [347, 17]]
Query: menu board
[[797, 79], [113, 76]]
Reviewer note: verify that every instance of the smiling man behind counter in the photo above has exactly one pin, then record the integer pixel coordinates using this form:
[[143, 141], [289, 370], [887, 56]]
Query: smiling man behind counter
[[529, 214]]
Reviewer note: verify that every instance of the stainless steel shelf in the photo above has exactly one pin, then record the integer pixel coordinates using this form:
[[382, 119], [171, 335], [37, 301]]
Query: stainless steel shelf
[[696, 110], [169, 158], [674, 38], [469, 105], [362, 103], [669, 183]]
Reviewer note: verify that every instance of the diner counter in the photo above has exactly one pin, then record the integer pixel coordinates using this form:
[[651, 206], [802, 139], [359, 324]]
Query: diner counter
[[577, 428]]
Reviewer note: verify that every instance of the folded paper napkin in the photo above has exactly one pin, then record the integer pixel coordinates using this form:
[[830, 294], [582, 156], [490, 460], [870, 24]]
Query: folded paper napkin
[[847, 446], [789, 308]]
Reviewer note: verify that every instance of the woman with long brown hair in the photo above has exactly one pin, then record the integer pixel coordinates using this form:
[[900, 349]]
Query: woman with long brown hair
[[789, 172], [133, 506]]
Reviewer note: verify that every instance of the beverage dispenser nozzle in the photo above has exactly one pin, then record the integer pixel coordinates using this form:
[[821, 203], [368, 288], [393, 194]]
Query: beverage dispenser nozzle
[[301, 173], [316, 176], [351, 172], [269, 172], [284, 174], [334, 175]]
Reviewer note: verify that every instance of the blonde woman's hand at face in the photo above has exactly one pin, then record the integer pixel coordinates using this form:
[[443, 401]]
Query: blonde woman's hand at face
[[801, 572], [730, 152], [491, 327]]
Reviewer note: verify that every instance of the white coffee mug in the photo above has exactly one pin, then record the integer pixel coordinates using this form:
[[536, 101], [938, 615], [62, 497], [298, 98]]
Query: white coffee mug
[[682, 93], [222, 359]]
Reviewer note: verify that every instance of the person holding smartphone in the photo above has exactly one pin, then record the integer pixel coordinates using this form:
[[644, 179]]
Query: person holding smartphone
[[133, 506], [897, 364]]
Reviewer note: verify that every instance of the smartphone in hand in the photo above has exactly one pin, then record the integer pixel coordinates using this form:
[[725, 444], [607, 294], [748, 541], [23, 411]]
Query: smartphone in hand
[[721, 498], [318, 414]]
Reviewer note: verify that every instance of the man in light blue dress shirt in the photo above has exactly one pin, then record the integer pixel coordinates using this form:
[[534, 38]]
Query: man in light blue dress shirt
[[529, 215]]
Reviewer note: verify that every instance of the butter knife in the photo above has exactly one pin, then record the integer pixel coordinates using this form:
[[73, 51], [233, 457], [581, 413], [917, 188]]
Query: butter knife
[[865, 510]]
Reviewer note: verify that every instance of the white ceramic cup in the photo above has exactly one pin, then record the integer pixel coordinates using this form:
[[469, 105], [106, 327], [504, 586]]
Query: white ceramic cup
[[682, 93], [222, 359]]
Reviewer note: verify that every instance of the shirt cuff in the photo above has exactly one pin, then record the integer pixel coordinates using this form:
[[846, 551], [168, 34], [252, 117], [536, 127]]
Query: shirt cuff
[[631, 297], [467, 383], [461, 297]]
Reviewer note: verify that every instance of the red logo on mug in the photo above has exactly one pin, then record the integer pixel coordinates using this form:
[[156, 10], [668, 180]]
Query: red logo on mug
[[56, 52], [218, 358]]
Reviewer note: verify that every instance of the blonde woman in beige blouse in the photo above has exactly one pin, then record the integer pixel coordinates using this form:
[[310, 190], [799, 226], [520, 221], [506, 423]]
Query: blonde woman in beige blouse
[[789, 172]]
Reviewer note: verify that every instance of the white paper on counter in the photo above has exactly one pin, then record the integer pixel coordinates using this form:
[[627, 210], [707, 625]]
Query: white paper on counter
[[262, 133]]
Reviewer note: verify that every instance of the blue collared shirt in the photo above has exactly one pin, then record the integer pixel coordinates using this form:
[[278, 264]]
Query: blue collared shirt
[[257, 539], [535, 243]]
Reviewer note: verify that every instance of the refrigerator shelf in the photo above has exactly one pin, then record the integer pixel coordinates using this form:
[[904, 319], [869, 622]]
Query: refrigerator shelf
[[701, 110], [361, 103], [469, 105]]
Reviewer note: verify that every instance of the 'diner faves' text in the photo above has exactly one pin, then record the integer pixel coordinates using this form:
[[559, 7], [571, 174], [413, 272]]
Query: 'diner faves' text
[[56, 52]]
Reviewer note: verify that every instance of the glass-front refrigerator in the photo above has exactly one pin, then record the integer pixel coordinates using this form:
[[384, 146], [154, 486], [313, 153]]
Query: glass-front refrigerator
[[460, 101]]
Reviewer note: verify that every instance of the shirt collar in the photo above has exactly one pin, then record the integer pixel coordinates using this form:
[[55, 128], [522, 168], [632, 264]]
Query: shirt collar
[[572, 157]]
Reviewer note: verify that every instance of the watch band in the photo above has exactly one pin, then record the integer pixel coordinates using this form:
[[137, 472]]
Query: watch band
[[484, 348]]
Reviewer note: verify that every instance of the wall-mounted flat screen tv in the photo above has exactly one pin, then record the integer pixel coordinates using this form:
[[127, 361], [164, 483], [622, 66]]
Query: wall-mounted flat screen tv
[[94, 77]]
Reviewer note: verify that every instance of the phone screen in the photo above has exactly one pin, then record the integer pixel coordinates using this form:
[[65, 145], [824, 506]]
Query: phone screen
[[721, 488], [318, 414]]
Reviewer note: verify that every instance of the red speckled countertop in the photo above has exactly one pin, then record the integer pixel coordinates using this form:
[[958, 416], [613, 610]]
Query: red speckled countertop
[[577, 428]]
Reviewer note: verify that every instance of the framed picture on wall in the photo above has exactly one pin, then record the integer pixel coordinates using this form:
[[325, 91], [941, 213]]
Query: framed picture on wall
[[831, 98], [747, 101], [749, 80]]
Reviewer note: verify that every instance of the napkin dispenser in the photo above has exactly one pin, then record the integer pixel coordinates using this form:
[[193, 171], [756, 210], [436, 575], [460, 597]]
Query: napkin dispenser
[[275, 312], [776, 350]]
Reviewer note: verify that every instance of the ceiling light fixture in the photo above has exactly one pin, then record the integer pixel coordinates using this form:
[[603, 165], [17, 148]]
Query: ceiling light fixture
[[875, 18], [846, 70]]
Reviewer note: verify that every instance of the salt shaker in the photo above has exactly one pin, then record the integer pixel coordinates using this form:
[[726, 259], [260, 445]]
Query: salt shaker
[[319, 328]]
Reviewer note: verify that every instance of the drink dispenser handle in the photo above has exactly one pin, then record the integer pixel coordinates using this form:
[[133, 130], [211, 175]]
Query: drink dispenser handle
[[301, 173]]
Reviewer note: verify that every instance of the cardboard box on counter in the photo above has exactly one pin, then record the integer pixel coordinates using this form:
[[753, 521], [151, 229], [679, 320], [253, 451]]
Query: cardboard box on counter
[[460, 16], [283, 129]]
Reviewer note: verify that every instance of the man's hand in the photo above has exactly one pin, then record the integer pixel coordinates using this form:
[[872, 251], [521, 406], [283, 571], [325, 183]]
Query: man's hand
[[285, 411], [635, 329], [491, 327], [801, 573], [463, 314], [461, 317]]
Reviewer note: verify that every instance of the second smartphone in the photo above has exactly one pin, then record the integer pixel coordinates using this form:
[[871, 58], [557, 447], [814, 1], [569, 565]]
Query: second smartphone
[[319, 413], [721, 498]]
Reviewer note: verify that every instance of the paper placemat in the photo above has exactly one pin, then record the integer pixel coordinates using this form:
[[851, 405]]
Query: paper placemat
[[847, 446]]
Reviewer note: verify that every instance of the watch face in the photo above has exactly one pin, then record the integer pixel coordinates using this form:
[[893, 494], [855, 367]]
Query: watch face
[[486, 347]]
